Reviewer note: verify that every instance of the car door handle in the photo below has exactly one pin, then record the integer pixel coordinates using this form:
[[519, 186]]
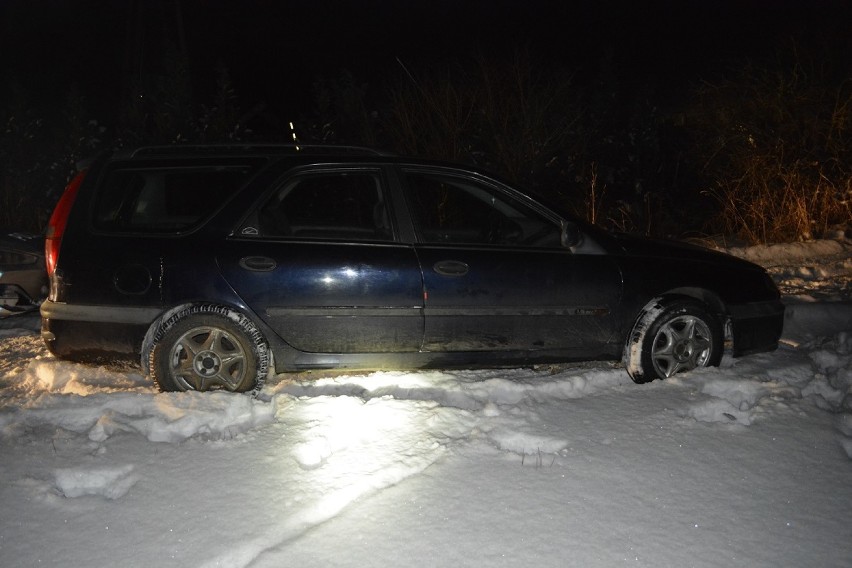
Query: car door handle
[[451, 268], [258, 263]]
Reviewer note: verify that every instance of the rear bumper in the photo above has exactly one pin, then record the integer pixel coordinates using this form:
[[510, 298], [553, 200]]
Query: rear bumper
[[95, 333], [756, 327]]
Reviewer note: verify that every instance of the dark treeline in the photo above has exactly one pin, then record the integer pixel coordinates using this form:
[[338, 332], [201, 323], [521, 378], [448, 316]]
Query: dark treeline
[[761, 150]]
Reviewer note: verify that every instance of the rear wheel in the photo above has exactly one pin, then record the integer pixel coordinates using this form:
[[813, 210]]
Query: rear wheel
[[208, 347], [671, 336]]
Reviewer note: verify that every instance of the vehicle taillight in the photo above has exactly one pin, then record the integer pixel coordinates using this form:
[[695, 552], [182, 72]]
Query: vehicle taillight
[[58, 221]]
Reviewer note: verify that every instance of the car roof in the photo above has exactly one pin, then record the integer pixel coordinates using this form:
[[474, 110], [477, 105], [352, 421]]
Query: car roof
[[299, 154]]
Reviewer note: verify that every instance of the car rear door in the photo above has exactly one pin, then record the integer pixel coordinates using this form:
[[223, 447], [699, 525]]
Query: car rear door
[[496, 276], [318, 260]]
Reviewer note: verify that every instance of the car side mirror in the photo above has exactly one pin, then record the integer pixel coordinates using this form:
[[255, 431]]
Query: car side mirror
[[570, 234]]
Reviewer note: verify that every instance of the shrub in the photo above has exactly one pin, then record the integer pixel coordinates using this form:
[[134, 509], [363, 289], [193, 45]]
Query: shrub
[[776, 141]]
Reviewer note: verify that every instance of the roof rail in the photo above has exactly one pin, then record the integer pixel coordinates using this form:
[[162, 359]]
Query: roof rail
[[262, 149]]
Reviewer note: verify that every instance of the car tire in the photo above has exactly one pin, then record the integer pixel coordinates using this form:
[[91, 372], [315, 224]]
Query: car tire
[[671, 336], [208, 347]]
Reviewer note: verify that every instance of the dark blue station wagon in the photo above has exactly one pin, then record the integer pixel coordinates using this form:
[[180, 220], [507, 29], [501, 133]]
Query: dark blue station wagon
[[216, 266]]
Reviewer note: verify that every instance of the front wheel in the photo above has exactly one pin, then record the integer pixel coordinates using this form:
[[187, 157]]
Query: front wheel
[[208, 347], [670, 337]]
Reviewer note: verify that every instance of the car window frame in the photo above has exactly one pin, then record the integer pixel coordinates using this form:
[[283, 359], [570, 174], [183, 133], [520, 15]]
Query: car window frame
[[386, 184], [509, 194], [253, 165]]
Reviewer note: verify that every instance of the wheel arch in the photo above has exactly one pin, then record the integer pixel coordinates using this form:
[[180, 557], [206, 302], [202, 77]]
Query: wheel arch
[[710, 299]]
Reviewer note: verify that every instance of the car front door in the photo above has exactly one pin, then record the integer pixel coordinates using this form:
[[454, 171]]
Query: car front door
[[496, 276], [318, 261]]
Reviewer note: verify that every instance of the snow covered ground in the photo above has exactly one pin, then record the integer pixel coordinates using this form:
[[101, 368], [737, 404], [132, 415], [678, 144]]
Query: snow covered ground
[[749, 464]]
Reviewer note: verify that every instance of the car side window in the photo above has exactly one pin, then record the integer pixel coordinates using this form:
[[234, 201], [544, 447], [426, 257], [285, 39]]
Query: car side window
[[163, 200], [456, 210], [336, 206]]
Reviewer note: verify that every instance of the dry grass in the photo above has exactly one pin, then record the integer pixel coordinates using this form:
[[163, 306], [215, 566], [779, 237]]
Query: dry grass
[[773, 203], [779, 149]]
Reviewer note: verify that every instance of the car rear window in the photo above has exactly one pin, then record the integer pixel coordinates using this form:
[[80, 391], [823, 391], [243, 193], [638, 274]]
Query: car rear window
[[163, 200]]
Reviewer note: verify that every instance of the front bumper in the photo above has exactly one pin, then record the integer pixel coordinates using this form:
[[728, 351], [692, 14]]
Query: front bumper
[[756, 327]]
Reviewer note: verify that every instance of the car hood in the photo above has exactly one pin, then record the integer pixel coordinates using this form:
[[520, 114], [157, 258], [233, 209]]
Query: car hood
[[657, 248]]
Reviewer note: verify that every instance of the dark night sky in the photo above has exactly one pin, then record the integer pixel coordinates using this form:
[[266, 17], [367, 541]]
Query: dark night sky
[[274, 48]]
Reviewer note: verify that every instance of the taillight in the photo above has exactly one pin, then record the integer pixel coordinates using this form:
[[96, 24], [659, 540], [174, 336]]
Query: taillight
[[58, 221]]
